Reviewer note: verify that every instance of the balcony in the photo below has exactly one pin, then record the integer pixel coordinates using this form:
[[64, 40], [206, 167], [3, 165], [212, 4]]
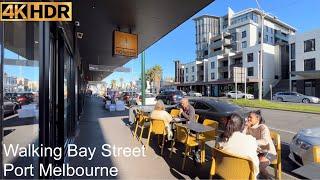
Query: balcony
[[223, 69], [227, 42]]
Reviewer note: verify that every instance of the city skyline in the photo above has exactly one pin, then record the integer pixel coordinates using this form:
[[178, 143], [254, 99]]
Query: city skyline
[[183, 37]]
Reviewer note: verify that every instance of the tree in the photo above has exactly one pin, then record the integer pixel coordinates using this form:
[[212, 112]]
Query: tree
[[121, 82], [113, 84], [154, 75]]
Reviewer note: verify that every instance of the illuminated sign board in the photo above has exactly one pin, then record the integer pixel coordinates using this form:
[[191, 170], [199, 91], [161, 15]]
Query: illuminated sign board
[[36, 11], [125, 44]]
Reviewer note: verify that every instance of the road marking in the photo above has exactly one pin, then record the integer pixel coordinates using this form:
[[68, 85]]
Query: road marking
[[9, 117], [291, 132]]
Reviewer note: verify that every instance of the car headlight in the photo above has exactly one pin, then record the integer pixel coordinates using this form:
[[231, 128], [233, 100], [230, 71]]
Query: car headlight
[[303, 145]]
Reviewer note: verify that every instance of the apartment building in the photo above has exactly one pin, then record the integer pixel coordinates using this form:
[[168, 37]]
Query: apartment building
[[305, 63], [238, 44]]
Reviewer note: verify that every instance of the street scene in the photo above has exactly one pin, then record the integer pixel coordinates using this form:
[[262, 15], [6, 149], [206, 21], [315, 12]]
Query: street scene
[[218, 90]]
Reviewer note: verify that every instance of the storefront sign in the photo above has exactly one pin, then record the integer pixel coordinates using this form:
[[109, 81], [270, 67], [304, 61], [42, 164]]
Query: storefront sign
[[36, 11], [125, 44]]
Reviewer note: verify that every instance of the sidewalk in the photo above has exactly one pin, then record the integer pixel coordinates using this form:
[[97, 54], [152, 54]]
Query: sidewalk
[[98, 126]]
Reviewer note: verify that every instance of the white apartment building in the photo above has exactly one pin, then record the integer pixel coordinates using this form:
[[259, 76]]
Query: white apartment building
[[238, 45], [305, 63]]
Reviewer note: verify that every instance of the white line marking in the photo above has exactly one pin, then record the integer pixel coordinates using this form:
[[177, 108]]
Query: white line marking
[[9, 117], [291, 132]]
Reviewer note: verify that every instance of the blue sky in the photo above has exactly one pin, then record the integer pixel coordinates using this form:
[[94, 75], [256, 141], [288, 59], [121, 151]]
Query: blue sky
[[304, 15]]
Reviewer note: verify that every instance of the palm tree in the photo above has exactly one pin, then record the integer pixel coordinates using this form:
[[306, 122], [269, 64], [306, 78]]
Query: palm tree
[[113, 84], [121, 82], [154, 75]]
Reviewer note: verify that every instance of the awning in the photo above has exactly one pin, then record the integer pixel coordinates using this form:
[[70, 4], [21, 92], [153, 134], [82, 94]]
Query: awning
[[308, 74]]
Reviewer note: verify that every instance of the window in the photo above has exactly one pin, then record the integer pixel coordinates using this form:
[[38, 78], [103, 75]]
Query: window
[[309, 45], [244, 44], [212, 76], [309, 64], [201, 106], [250, 57], [213, 65], [192, 68], [192, 78], [187, 71], [187, 79], [294, 86], [266, 38], [233, 36], [310, 88], [250, 71], [271, 40], [225, 75], [293, 66], [293, 50], [225, 63], [244, 34]]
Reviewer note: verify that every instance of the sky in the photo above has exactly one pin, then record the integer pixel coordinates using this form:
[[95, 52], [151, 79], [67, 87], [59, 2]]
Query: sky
[[179, 44]]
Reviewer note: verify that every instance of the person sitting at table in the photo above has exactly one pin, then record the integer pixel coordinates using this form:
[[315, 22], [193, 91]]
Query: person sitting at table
[[187, 111], [267, 153], [233, 141], [160, 114]]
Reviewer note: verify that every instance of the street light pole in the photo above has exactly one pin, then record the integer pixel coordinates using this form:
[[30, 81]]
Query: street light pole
[[143, 78], [260, 61]]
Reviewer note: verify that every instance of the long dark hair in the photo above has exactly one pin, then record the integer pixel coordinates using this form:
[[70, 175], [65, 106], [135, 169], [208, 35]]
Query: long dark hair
[[257, 113], [234, 123]]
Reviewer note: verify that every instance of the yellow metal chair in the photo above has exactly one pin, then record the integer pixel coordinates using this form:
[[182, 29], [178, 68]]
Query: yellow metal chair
[[208, 136], [140, 123], [277, 162], [175, 113], [229, 166], [182, 136], [196, 117], [316, 154], [157, 127]]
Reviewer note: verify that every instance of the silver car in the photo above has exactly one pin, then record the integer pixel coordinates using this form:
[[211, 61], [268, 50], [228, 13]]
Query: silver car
[[305, 147], [294, 97]]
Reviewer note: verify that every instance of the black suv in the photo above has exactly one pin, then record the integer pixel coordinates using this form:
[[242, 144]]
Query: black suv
[[170, 97]]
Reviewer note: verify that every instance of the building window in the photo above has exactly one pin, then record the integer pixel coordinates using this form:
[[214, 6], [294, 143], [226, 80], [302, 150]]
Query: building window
[[293, 66], [310, 64], [225, 75], [192, 78], [212, 76], [213, 65], [187, 78], [250, 57], [244, 34], [309, 45], [250, 71], [294, 86], [310, 88], [192, 68], [293, 50], [244, 44], [187, 70]]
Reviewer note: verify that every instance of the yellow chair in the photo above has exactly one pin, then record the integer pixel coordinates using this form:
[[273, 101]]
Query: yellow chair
[[229, 166], [157, 127], [208, 136], [196, 117], [316, 154], [277, 162], [140, 123], [182, 136], [175, 112]]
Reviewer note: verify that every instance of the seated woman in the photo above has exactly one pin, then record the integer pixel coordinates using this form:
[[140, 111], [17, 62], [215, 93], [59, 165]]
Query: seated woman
[[237, 143], [160, 114], [267, 153]]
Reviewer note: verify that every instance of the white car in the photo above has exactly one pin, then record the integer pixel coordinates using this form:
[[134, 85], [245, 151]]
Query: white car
[[150, 99], [239, 94], [305, 147], [194, 94]]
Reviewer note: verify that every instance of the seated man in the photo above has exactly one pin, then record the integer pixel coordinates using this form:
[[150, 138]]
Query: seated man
[[187, 111]]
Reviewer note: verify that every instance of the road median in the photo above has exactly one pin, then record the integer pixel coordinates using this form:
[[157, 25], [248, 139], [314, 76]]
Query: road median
[[277, 106]]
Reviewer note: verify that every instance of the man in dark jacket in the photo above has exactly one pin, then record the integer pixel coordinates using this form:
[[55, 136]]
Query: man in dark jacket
[[187, 111]]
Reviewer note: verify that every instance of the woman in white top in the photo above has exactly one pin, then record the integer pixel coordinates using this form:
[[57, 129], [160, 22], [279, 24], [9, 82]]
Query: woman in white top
[[160, 114], [235, 142]]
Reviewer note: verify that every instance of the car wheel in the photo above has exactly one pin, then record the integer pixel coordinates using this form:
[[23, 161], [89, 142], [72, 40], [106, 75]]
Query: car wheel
[[280, 99], [305, 100], [243, 96], [229, 96]]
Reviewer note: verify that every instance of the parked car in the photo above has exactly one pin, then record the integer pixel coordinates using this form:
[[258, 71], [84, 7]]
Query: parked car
[[194, 94], [216, 110], [303, 144], [9, 107], [239, 94], [170, 97], [294, 97], [150, 99]]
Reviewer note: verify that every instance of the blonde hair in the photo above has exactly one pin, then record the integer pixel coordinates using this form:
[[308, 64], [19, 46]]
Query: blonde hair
[[159, 105]]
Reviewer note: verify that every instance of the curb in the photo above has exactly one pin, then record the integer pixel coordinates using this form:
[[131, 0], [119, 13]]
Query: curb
[[282, 110]]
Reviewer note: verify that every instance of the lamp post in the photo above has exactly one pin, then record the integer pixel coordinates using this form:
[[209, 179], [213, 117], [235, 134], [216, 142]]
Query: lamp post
[[143, 78]]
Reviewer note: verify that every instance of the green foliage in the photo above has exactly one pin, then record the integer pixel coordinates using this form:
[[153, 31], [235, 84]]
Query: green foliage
[[277, 105]]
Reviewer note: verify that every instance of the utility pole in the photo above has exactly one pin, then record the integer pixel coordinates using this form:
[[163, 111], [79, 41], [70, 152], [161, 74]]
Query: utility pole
[[143, 78], [260, 61]]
